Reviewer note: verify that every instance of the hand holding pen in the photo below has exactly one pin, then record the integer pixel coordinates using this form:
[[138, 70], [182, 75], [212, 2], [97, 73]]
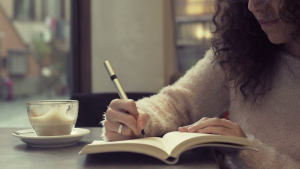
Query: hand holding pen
[[123, 120]]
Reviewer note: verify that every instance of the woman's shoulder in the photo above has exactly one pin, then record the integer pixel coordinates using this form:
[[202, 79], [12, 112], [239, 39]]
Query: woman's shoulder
[[289, 63], [209, 54], [208, 58], [290, 57]]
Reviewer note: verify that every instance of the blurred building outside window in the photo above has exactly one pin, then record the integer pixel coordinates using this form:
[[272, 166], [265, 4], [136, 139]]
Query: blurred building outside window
[[193, 24], [24, 10], [17, 62], [34, 52]]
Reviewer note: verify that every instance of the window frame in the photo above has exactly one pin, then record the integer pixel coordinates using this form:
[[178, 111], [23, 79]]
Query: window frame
[[80, 46]]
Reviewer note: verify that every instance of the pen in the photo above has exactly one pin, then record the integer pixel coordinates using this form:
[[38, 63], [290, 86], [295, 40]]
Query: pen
[[115, 80]]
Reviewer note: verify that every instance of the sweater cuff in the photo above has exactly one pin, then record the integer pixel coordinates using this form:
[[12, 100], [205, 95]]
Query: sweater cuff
[[103, 129]]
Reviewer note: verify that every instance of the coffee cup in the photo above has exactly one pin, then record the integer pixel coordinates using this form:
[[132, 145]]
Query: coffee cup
[[52, 117]]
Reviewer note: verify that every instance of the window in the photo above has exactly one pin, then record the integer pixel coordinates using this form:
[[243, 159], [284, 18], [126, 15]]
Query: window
[[193, 20], [24, 9], [35, 60], [17, 62], [29, 10], [53, 8]]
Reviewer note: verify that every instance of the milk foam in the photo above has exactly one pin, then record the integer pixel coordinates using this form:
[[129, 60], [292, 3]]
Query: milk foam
[[55, 122]]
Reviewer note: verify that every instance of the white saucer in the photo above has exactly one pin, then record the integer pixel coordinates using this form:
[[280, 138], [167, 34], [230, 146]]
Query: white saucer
[[32, 140]]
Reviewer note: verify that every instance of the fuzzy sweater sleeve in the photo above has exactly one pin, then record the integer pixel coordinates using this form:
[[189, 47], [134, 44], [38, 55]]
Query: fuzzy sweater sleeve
[[199, 93]]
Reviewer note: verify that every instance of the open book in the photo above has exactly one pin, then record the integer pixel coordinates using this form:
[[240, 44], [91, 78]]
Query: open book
[[170, 146]]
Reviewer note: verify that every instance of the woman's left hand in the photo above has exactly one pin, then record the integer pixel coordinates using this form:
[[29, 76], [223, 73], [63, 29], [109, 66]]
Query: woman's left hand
[[214, 126]]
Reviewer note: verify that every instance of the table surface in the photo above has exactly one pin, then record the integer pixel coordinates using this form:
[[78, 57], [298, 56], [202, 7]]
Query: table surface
[[15, 154]]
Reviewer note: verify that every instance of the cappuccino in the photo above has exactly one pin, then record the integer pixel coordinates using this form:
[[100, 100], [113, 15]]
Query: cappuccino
[[55, 122]]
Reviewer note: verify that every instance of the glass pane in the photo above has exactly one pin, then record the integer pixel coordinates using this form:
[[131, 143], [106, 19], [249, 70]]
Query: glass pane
[[194, 7], [193, 30], [34, 54]]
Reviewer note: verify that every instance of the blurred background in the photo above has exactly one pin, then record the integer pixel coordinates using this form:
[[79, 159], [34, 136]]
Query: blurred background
[[55, 49]]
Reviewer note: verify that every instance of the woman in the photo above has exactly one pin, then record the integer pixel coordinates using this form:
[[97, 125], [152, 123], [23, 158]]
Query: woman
[[253, 70]]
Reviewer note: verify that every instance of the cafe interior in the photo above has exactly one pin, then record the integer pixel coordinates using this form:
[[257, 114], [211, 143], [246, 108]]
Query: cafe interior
[[56, 49]]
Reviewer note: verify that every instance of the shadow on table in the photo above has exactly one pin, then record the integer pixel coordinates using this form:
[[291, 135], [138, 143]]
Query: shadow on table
[[120, 158], [23, 147], [200, 156]]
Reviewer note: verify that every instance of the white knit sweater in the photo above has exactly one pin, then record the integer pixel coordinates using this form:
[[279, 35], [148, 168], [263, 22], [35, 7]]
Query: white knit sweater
[[272, 124]]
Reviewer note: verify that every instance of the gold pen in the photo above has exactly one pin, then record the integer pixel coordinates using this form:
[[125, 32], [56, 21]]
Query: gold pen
[[115, 80]]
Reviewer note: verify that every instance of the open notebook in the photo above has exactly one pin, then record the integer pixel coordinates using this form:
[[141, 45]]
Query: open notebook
[[170, 146]]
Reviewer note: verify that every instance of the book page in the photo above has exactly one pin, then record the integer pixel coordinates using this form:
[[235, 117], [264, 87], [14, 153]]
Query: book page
[[173, 139], [153, 146], [150, 141], [178, 141]]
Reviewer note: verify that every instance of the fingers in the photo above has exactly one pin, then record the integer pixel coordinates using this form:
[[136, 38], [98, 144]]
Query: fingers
[[216, 130], [117, 117], [211, 122], [238, 132], [113, 136], [186, 128], [215, 126], [142, 120], [183, 129], [114, 127], [125, 105], [124, 111]]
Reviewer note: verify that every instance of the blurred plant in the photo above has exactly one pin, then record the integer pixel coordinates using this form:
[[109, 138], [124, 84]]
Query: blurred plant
[[52, 59], [40, 48]]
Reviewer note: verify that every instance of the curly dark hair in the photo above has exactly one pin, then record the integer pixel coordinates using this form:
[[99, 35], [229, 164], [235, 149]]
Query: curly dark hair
[[243, 49]]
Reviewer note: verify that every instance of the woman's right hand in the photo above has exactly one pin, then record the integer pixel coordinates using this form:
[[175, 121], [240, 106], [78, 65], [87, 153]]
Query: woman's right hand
[[124, 111]]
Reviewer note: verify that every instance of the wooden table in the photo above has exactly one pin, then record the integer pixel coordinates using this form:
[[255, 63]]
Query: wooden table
[[14, 154]]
